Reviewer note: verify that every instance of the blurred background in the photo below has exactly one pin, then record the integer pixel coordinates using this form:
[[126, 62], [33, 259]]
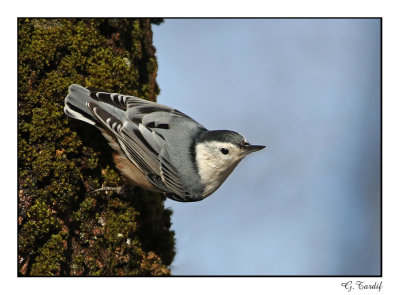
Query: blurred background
[[308, 89]]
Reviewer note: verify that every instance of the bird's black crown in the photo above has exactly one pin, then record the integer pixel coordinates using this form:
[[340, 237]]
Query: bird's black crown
[[223, 136]]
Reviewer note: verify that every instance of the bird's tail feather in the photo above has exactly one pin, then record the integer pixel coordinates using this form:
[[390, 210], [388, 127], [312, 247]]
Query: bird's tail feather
[[76, 106]]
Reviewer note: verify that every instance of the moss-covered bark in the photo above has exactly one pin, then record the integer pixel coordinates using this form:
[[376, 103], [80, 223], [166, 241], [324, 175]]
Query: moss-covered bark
[[63, 230]]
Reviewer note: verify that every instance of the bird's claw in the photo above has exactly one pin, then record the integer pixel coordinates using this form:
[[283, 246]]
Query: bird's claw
[[120, 190]]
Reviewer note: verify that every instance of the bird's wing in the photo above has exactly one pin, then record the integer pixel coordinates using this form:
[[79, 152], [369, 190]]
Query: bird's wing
[[155, 121], [136, 107], [146, 149]]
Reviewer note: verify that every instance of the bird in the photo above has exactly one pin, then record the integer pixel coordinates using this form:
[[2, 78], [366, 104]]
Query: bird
[[159, 148]]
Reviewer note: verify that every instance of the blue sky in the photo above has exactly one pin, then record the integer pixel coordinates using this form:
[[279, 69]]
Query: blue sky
[[308, 89]]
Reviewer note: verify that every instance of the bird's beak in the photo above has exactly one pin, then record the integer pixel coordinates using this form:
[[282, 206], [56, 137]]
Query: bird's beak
[[253, 148]]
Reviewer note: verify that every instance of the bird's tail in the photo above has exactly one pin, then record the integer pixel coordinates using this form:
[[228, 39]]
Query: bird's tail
[[78, 100]]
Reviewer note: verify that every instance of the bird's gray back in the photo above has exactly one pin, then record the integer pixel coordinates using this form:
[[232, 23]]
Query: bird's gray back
[[158, 139], [181, 138]]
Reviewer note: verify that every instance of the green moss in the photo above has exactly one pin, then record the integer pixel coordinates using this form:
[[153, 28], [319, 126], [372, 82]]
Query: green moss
[[64, 229], [50, 257]]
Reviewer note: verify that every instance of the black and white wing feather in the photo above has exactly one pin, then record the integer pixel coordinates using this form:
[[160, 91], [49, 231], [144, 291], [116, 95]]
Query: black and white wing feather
[[133, 122]]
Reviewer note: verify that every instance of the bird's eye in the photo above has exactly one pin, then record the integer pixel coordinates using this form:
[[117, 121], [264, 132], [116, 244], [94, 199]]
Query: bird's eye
[[224, 151]]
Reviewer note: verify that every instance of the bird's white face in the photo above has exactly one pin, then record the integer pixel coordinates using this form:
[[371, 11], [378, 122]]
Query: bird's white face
[[215, 161]]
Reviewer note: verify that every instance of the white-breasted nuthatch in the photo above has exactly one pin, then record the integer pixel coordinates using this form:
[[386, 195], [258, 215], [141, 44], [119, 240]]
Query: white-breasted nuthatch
[[159, 148]]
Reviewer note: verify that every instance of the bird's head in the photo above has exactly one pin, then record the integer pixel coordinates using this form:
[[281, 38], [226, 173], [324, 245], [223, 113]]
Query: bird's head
[[218, 153]]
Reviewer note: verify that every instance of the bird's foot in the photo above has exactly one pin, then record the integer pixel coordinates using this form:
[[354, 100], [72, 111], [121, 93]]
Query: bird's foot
[[120, 190]]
